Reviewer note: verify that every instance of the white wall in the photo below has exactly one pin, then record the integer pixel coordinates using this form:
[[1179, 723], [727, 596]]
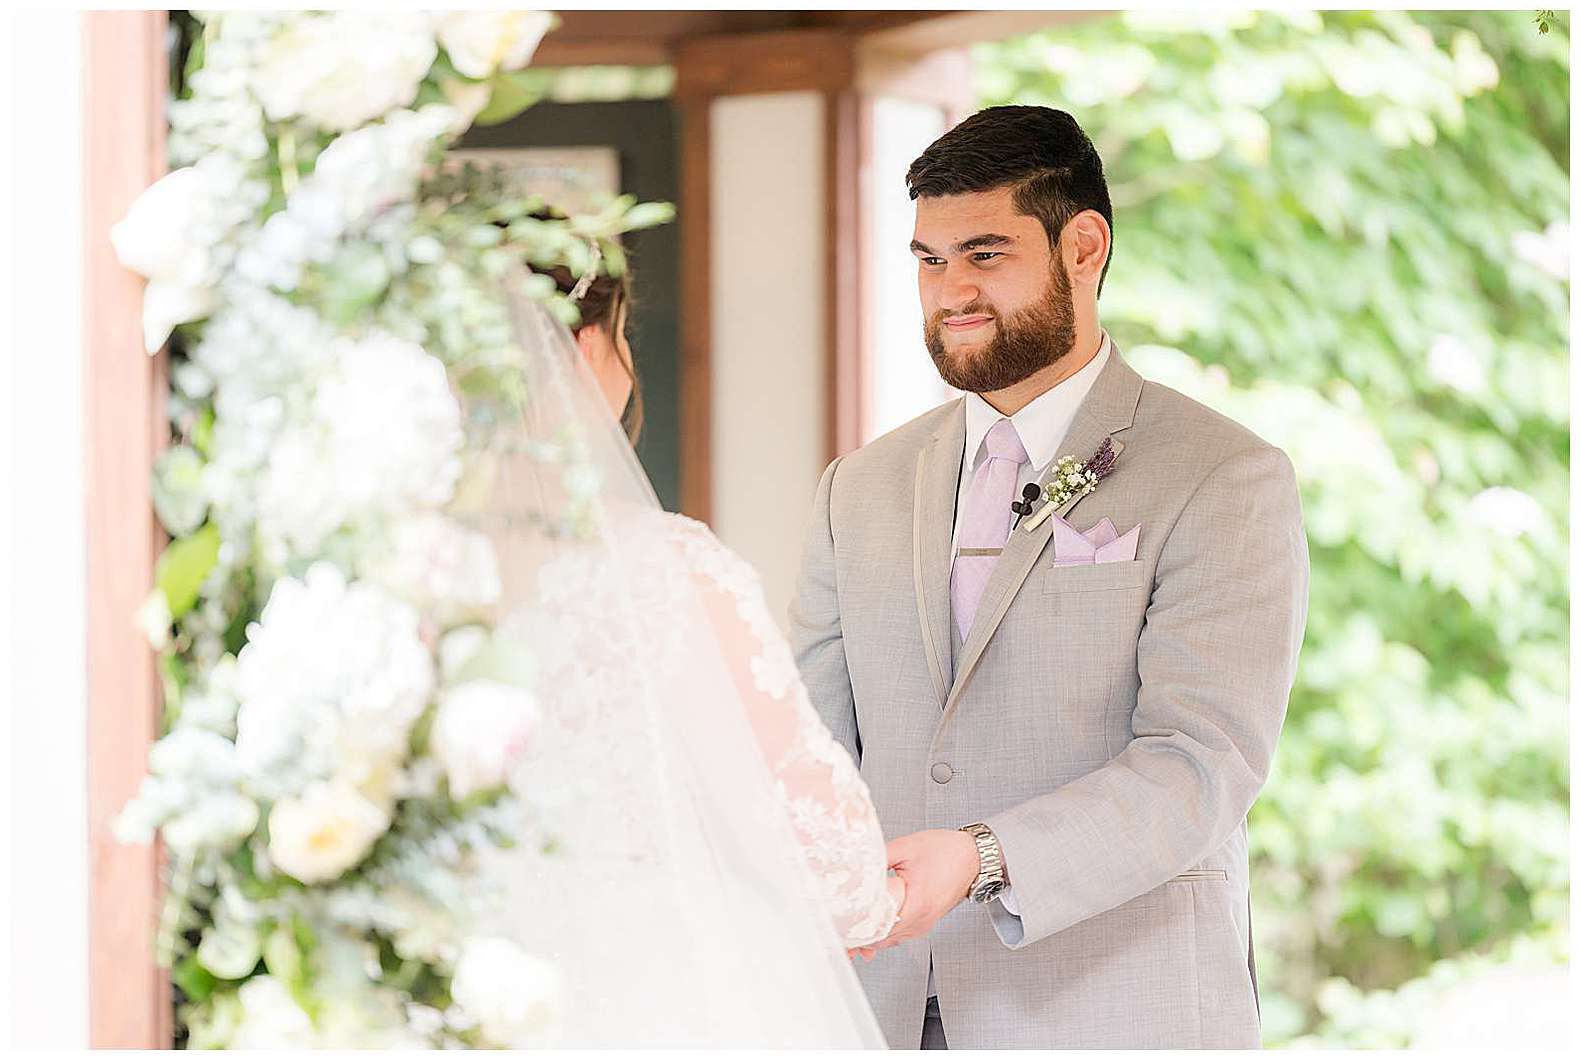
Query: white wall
[[769, 337], [904, 383], [43, 580]]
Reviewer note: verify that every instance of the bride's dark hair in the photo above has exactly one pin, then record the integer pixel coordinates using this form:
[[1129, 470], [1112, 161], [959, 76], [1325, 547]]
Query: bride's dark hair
[[600, 306]]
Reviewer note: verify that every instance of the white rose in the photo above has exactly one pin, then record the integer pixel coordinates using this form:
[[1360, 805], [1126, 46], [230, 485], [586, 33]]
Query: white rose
[[514, 997], [156, 237], [328, 829], [481, 42], [162, 238], [479, 732], [342, 69]]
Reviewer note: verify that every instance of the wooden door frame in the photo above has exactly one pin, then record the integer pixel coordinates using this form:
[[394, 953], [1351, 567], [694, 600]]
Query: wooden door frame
[[848, 70], [126, 76]]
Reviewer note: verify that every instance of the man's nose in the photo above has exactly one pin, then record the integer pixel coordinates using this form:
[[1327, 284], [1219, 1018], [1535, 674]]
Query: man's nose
[[956, 291]]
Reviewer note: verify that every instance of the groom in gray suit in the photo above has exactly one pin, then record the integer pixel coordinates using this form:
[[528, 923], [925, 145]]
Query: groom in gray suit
[[1056, 622]]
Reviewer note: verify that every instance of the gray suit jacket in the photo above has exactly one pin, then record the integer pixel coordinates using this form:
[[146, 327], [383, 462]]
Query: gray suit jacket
[[1111, 723]]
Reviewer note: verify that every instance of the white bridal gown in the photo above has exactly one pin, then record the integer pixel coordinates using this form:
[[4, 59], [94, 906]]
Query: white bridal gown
[[712, 851]]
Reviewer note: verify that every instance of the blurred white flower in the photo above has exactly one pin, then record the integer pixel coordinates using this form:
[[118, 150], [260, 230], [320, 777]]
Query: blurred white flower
[[329, 670], [482, 42], [195, 754], [358, 176], [170, 236], [229, 948], [514, 997], [342, 69], [271, 1018], [445, 569], [479, 732], [1454, 364], [382, 438], [217, 821], [366, 171], [153, 619], [318, 836]]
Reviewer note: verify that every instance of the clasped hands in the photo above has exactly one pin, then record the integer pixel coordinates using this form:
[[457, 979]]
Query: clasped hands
[[933, 872]]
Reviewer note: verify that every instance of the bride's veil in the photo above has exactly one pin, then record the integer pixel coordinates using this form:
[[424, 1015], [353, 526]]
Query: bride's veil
[[657, 869]]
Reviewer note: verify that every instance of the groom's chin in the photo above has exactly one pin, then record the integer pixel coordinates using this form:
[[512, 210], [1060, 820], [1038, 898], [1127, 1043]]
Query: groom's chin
[[961, 368]]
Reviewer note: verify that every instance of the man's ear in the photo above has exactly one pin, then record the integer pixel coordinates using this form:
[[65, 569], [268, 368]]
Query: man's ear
[[1087, 239]]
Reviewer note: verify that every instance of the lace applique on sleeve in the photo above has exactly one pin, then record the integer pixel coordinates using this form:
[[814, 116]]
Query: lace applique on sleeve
[[820, 787]]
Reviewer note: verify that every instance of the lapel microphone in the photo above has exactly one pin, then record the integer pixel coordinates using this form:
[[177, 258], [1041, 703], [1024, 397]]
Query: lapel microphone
[[1022, 508]]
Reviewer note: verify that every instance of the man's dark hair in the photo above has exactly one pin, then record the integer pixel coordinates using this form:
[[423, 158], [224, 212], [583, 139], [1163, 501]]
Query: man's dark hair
[[1041, 152]]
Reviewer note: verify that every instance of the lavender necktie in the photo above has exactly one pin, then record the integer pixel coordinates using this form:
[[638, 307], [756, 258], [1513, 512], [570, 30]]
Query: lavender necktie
[[984, 525]]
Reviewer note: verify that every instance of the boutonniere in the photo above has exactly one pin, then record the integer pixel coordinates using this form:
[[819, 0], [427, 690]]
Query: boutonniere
[[1072, 479]]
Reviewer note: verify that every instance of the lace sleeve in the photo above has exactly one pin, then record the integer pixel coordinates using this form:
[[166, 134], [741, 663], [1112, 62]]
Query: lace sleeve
[[822, 791]]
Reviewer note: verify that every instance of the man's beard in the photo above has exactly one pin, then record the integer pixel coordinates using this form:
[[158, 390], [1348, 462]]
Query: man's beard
[[1022, 345]]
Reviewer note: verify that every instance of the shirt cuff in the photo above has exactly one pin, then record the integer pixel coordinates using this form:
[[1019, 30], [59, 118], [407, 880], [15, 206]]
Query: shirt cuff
[[1007, 899]]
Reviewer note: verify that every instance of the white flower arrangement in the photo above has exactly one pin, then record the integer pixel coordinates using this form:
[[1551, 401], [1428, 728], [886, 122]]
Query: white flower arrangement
[[342, 718]]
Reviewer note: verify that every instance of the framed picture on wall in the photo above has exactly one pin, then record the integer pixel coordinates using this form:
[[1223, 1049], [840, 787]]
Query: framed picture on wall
[[574, 179]]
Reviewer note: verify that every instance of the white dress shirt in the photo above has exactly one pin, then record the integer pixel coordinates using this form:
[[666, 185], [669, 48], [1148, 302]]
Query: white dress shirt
[[1042, 425]]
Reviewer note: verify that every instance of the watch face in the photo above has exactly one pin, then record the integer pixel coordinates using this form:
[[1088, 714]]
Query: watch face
[[988, 891]]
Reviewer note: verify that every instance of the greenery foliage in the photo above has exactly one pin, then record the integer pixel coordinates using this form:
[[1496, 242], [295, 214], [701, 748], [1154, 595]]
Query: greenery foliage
[[1350, 232]]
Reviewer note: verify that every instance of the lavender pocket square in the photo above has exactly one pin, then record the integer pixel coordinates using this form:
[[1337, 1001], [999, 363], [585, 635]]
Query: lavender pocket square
[[1100, 544]]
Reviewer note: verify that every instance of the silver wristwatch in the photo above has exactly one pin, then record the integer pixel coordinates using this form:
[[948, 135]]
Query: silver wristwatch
[[990, 881]]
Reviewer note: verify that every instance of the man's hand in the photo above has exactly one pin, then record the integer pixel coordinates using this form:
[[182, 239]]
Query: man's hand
[[897, 892], [937, 867]]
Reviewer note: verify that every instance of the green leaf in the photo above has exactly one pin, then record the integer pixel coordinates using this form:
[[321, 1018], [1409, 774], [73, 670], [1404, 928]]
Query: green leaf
[[195, 981], [183, 566], [203, 433], [498, 660], [178, 490], [649, 214], [354, 281], [282, 956], [509, 98]]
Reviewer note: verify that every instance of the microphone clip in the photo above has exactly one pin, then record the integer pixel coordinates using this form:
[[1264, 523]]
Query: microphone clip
[[1029, 494]]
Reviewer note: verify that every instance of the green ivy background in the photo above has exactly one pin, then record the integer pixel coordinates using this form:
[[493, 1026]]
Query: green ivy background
[[1350, 232]]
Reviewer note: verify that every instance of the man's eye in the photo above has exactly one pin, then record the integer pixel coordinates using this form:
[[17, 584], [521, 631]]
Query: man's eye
[[935, 262], [985, 255]]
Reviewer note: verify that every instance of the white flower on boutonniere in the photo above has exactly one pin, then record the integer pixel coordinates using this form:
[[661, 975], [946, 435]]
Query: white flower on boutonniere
[[1072, 479]]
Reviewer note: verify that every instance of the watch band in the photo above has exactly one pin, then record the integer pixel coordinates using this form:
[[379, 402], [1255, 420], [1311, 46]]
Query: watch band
[[990, 880]]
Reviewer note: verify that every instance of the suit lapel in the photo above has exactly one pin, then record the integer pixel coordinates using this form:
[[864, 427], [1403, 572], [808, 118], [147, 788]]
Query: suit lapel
[[933, 515], [1109, 408]]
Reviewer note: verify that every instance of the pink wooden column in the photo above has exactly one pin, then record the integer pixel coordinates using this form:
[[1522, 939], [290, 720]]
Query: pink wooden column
[[125, 68]]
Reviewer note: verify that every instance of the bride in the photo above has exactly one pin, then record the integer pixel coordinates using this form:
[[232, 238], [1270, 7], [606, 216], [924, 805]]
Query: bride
[[698, 853]]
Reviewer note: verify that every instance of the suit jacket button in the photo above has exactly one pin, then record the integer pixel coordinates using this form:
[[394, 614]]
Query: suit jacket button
[[942, 772]]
